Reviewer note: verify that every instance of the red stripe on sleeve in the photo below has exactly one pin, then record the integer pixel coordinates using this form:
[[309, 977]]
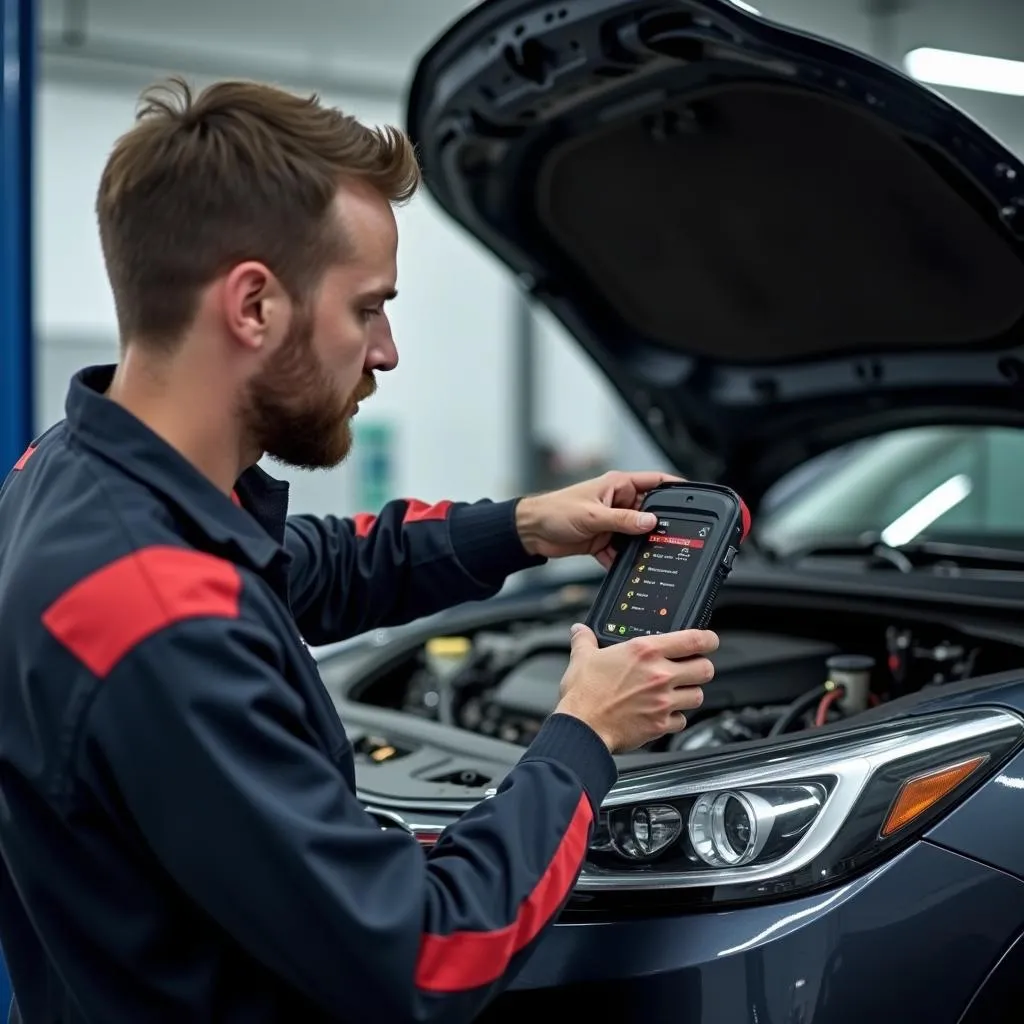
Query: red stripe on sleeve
[[420, 511], [104, 616], [25, 456], [235, 499], [467, 960], [364, 523]]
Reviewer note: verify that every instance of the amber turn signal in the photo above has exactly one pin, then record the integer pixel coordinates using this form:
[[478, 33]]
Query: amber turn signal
[[917, 795]]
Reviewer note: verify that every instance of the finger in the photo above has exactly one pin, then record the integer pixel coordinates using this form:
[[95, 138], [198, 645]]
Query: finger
[[647, 481], [581, 638], [605, 557], [621, 520], [688, 698], [676, 722], [683, 643], [693, 672]]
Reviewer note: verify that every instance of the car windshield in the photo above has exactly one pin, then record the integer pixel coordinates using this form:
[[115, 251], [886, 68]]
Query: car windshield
[[959, 485]]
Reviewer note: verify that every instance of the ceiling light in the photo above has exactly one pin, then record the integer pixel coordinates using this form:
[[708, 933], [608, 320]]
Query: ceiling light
[[923, 513], [966, 71]]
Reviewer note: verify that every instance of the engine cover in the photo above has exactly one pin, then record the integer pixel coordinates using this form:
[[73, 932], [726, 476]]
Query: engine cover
[[750, 668]]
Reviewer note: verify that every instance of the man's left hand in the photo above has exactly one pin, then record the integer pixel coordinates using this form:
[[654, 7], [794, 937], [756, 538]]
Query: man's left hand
[[581, 519]]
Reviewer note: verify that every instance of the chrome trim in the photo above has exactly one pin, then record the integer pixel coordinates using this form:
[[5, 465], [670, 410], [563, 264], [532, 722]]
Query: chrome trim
[[426, 835], [389, 816], [850, 771], [456, 807]]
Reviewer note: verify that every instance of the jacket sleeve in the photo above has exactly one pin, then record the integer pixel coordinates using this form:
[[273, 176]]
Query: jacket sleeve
[[414, 559], [230, 789]]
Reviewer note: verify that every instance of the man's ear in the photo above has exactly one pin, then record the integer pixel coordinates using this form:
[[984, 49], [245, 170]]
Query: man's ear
[[257, 310]]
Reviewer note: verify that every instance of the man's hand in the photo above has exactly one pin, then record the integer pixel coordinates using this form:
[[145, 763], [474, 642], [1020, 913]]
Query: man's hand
[[580, 520], [634, 692]]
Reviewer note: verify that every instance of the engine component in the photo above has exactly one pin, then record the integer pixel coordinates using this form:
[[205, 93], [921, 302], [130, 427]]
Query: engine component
[[914, 663], [792, 714], [899, 643], [759, 669], [753, 671], [531, 689], [445, 656], [502, 681], [462, 777], [946, 662], [447, 664], [377, 749], [516, 708], [729, 727], [852, 674]]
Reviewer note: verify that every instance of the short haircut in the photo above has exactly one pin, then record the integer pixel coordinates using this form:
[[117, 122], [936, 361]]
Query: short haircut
[[240, 171]]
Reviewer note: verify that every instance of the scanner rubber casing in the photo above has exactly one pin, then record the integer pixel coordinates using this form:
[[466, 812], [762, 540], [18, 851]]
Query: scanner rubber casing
[[713, 503]]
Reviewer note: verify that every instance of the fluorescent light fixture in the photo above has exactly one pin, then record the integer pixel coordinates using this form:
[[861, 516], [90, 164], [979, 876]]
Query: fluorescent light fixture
[[922, 514], [966, 71]]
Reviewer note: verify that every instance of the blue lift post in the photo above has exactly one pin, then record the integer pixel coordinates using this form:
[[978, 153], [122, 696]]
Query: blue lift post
[[17, 382], [17, 87]]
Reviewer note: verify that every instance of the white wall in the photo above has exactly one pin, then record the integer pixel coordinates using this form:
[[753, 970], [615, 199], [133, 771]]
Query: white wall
[[452, 320]]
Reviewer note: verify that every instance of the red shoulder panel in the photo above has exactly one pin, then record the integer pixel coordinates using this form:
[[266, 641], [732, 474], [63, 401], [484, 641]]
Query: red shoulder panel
[[104, 616]]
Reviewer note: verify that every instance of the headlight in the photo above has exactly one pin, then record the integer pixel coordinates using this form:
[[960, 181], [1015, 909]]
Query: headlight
[[792, 817]]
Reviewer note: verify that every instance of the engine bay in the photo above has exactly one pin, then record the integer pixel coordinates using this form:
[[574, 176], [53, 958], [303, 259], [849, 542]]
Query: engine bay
[[781, 667]]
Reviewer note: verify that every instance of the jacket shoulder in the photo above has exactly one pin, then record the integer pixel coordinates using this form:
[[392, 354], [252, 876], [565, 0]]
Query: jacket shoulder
[[96, 560], [107, 612]]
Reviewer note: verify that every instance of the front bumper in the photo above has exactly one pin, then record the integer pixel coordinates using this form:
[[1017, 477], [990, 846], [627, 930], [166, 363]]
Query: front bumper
[[913, 940]]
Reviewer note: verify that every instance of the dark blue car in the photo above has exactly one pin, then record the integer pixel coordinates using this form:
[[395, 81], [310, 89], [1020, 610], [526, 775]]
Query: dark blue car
[[785, 256]]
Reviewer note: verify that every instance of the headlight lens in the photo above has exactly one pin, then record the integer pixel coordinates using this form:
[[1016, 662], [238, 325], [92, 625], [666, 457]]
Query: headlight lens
[[646, 831], [794, 816], [739, 827]]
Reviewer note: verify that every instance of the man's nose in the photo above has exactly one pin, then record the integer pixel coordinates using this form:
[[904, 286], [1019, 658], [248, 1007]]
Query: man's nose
[[382, 354]]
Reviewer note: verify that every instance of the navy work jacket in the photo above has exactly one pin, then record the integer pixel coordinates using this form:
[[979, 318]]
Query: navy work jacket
[[180, 837]]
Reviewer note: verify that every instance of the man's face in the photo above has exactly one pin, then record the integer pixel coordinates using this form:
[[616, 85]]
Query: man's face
[[300, 404]]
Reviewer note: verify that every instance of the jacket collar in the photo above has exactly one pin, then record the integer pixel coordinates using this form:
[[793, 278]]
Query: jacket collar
[[250, 527]]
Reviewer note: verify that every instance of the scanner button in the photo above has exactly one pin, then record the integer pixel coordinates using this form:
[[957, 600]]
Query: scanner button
[[729, 556]]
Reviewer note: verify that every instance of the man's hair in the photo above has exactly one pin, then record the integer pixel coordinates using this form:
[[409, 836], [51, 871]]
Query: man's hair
[[239, 171]]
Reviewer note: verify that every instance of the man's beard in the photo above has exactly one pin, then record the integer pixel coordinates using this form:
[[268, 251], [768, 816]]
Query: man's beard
[[294, 412]]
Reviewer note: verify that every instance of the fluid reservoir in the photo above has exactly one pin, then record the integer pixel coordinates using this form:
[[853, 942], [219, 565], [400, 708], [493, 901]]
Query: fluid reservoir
[[853, 673], [446, 655]]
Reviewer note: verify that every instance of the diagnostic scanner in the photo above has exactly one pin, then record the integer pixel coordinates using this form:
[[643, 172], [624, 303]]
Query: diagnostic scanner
[[668, 579]]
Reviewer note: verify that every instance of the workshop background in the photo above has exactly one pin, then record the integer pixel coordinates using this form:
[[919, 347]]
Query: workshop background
[[490, 398]]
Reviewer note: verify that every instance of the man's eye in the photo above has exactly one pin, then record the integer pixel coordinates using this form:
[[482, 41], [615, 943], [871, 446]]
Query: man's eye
[[369, 314]]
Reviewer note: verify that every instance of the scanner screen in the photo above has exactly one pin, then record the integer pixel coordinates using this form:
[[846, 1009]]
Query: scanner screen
[[659, 577]]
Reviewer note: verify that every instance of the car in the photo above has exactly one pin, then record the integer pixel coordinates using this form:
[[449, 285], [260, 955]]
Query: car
[[804, 273]]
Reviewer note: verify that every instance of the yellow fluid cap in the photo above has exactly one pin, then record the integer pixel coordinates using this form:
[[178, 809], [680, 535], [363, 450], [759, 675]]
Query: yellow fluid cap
[[448, 646]]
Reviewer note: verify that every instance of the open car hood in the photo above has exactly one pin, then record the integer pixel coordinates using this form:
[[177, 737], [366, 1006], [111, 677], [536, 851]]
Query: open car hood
[[771, 244]]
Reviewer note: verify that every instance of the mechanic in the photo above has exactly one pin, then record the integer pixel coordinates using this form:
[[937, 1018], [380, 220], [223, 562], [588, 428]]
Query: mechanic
[[181, 837]]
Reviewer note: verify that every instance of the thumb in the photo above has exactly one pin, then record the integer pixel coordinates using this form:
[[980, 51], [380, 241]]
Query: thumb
[[625, 520], [581, 638]]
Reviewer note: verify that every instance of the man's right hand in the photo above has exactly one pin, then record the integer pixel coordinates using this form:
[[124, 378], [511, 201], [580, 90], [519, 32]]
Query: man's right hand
[[634, 692]]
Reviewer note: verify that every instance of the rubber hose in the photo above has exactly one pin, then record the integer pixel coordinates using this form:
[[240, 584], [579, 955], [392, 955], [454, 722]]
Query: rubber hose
[[803, 703]]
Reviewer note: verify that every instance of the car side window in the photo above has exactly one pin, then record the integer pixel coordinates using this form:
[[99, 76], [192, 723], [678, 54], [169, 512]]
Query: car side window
[[1004, 509], [959, 483]]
